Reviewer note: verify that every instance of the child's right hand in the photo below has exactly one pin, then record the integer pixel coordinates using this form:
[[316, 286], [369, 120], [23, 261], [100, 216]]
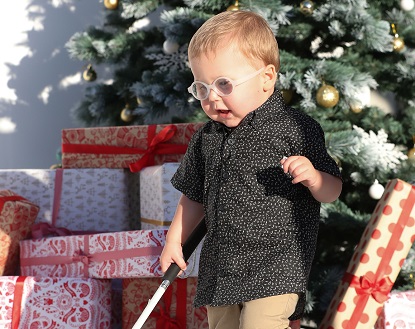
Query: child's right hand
[[172, 253]]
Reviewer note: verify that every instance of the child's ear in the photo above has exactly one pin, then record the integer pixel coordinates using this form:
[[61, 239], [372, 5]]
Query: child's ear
[[270, 76]]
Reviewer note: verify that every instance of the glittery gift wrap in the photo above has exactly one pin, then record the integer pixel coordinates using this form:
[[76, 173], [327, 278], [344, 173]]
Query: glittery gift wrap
[[107, 255], [133, 147], [398, 311], [376, 262], [29, 302], [174, 310], [158, 197], [16, 217], [98, 199]]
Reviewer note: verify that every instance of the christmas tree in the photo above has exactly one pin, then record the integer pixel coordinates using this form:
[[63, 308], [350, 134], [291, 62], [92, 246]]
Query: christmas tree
[[348, 64]]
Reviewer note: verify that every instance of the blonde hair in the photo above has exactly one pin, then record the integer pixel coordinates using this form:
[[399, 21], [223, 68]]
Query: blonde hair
[[247, 30]]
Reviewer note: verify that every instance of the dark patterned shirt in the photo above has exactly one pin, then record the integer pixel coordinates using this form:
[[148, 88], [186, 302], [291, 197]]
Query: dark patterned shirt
[[261, 228]]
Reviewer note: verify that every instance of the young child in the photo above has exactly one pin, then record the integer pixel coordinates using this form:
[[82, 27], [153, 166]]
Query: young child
[[257, 171]]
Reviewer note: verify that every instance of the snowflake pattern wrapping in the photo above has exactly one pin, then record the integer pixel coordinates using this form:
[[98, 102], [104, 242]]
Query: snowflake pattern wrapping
[[99, 200]]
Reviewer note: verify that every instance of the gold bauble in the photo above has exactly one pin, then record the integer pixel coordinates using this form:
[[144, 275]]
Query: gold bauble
[[126, 115], [398, 44], [234, 7], [327, 96], [307, 7], [111, 4], [356, 107], [287, 94], [411, 154], [89, 74]]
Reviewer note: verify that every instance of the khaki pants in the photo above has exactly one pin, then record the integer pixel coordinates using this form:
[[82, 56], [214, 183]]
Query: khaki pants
[[264, 313]]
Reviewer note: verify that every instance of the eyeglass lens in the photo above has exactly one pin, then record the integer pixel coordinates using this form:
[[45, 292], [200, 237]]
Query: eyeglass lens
[[223, 86]]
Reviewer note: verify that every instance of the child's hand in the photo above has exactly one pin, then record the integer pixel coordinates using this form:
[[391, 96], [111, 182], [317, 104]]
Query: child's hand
[[301, 170], [172, 253]]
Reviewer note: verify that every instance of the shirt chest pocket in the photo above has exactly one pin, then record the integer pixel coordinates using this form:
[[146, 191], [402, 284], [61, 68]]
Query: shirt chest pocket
[[274, 182]]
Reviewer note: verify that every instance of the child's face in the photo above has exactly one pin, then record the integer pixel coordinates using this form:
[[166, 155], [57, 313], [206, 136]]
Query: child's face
[[229, 62]]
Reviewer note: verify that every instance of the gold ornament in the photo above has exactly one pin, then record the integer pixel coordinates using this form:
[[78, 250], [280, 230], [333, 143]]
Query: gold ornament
[[356, 108], [307, 7], [411, 152], [111, 4], [89, 74], [287, 94], [127, 114], [234, 7], [397, 42], [327, 96]]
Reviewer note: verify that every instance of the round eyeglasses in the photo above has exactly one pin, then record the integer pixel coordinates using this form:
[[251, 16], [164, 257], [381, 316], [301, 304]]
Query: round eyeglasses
[[222, 86]]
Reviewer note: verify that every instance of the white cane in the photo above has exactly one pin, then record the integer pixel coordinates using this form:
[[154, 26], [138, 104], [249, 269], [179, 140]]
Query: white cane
[[188, 248]]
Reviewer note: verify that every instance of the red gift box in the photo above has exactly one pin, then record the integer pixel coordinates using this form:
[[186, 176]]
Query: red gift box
[[174, 310], [376, 262], [133, 147], [29, 302], [16, 217]]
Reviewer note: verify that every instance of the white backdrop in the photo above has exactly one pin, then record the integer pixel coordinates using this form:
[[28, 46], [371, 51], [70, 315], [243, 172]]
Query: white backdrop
[[39, 83]]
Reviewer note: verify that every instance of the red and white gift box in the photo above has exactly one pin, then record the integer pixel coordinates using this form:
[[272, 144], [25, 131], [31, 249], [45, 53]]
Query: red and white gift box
[[133, 147], [376, 262], [398, 311], [174, 310], [97, 200], [16, 217], [28, 302], [158, 197], [107, 255]]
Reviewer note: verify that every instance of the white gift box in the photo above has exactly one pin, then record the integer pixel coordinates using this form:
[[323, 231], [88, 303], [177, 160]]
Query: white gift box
[[93, 199], [158, 197]]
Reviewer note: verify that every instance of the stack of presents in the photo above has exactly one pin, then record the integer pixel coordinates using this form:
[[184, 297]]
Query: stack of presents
[[80, 245]]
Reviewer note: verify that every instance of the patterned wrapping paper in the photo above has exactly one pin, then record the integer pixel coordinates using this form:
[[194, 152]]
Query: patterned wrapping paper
[[158, 197], [174, 310], [107, 255], [28, 302], [398, 311], [16, 217], [94, 200], [376, 262], [133, 147]]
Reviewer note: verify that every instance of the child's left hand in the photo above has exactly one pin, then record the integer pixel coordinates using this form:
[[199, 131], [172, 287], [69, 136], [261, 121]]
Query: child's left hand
[[301, 169]]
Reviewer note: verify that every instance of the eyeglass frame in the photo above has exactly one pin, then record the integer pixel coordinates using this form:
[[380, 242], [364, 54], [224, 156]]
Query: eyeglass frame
[[234, 83]]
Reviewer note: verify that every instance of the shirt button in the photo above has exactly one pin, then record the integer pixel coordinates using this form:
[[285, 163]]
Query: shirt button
[[225, 175], [231, 141]]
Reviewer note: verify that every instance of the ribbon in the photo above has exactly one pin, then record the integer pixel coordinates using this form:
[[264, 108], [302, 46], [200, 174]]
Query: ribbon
[[57, 194], [43, 229], [377, 285], [86, 258], [163, 319], [17, 301], [156, 145]]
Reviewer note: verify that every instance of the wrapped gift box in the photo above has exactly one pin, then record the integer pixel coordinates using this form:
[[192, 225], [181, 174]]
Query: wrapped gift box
[[16, 217], [376, 262], [95, 200], [107, 255], [174, 310], [133, 147], [158, 197], [28, 302], [398, 311]]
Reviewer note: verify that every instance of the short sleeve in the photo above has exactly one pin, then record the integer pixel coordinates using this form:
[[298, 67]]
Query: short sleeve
[[189, 177]]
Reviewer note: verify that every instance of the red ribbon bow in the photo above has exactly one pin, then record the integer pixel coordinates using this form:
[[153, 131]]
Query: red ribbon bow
[[368, 285], [156, 145]]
